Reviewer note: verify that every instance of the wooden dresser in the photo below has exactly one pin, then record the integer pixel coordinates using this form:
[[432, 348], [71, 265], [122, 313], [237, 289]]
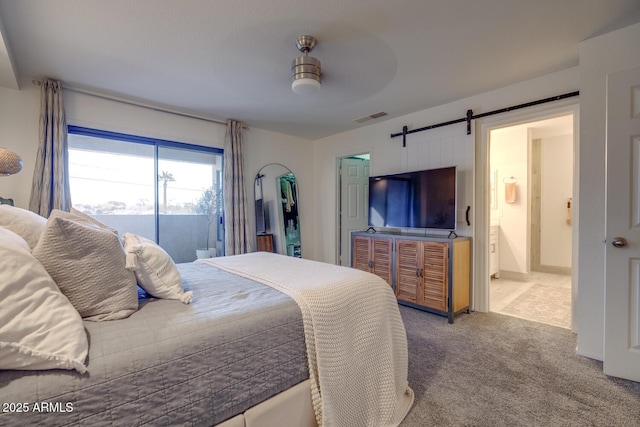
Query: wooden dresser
[[432, 273]]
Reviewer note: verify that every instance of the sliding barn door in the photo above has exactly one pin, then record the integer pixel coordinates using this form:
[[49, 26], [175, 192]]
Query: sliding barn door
[[442, 147]]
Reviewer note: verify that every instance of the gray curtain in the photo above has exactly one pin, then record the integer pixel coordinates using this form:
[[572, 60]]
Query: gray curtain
[[50, 188], [237, 237]]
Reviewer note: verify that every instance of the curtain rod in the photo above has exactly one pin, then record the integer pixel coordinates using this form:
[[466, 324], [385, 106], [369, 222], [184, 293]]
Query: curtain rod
[[470, 116], [135, 103]]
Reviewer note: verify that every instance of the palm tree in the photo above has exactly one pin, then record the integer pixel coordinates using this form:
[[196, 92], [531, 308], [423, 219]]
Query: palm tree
[[210, 204], [166, 178]]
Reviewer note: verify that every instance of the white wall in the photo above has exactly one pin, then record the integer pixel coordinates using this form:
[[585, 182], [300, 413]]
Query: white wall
[[387, 154], [440, 148], [19, 128], [19, 115], [316, 167], [509, 157], [263, 147], [599, 56], [99, 113], [19, 118]]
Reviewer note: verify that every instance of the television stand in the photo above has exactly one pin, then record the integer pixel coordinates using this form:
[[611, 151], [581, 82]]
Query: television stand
[[430, 273]]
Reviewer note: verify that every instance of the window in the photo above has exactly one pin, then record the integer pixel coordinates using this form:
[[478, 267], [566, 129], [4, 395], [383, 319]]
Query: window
[[166, 191]]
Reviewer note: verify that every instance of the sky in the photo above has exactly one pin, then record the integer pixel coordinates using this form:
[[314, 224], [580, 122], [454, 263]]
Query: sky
[[98, 177]]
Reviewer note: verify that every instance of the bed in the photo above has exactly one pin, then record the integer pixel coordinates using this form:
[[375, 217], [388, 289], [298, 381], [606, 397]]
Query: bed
[[241, 342]]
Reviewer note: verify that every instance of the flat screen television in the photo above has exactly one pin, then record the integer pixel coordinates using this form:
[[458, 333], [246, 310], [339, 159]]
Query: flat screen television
[[421, 199]]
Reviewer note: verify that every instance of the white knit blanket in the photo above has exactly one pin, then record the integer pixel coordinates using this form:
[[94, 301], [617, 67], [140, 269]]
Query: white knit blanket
[[355, 337]]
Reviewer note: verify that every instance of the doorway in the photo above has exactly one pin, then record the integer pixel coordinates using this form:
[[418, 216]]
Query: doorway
[[353, 202], [531, 197]]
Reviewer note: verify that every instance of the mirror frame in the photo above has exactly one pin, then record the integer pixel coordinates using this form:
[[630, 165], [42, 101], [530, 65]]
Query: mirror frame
[[282, 219]]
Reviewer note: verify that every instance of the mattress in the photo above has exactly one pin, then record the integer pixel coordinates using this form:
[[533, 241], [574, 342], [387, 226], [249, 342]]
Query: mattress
[[237, 344]]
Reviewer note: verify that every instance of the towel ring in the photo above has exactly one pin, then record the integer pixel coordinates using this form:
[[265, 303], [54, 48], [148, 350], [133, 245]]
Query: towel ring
[[510, 179]]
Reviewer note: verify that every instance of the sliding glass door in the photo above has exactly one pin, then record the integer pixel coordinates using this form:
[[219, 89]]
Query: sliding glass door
[[166, 191], [190, 202]]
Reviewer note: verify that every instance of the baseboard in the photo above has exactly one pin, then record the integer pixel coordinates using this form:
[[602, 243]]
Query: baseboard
[[514, 275], [589, 355], [554, 269]]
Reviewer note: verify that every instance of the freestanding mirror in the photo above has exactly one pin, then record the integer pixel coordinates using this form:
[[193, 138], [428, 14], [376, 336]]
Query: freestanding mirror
[[276, 205]]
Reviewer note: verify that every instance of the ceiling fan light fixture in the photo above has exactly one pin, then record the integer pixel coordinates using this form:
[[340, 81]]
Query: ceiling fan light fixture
[[305, 70]]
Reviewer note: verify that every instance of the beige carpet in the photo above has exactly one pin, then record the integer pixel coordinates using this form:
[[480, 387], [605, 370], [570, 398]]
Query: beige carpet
[[542, 303], [493, 370]]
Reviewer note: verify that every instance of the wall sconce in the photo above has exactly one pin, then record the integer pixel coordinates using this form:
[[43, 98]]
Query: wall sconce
[[10, 162]]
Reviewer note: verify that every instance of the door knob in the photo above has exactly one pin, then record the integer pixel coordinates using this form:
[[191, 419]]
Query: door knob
[[619, 242]]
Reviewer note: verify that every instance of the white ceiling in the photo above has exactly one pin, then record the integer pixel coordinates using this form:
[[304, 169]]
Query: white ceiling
[[231, 58]]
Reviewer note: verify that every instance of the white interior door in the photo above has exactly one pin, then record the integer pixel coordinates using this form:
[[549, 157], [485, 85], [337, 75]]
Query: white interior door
[[354, 194], [622, 288]]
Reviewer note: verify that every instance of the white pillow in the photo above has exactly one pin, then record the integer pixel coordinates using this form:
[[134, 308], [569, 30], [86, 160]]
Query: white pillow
[[24, 223], [87, 262], [155, 270], [39, 328]]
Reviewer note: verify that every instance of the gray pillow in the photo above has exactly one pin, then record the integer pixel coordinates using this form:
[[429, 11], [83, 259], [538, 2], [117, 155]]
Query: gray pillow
[[87, 262]]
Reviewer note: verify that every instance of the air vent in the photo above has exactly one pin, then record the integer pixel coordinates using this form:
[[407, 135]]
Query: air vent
[[371, 117]]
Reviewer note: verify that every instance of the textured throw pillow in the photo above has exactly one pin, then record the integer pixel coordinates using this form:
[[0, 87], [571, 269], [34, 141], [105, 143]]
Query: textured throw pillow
[[87, 262], [92, 220], [24, 223], [39, 328], [155, 270]]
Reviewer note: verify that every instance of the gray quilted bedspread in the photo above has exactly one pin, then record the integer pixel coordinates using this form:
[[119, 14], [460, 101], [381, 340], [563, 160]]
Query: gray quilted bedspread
[[238, 343]]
